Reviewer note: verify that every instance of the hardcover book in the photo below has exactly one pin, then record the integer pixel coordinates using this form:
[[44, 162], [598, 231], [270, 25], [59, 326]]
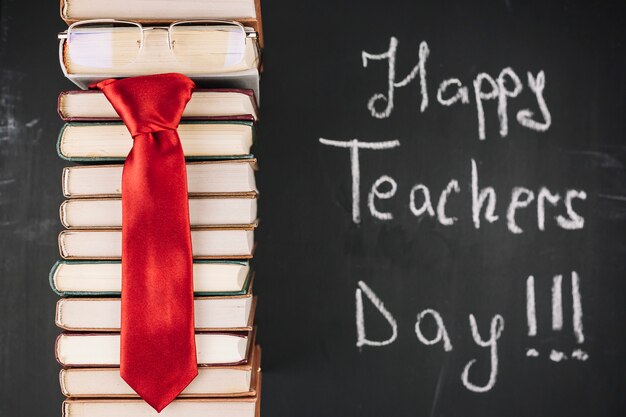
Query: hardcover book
[[104, 278], [215, 104], [99, 141], [184, 407], [223, 178], [220, 313], [209, 243], [210, 55], [247, 12], [212, 381], [96, 213], [103, 349]]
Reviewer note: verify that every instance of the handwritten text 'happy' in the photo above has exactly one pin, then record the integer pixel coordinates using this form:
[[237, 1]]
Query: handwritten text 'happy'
[[505, 86]]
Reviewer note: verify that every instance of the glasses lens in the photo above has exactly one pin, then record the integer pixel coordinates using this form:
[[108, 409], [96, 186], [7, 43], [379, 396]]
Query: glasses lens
[[100, 46], [209, 44]]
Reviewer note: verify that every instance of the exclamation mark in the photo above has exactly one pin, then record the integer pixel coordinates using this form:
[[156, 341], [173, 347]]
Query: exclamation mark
[[531, 315], [557, 302], [577, 318], [557, 314]]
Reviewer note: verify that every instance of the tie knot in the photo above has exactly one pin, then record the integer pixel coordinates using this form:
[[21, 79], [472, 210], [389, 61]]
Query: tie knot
[[148, 103]]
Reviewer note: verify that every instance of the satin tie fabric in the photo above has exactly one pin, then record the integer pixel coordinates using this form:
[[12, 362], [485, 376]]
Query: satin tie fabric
[[158, 352]]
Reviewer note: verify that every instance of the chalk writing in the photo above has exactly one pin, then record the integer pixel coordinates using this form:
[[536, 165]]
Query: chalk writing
[[427, 205], [392, 84], [557, 315], [557, 302], [531, 307], [495, 331], [490, 341], [577, 308], [354, 145], [360, 320], [453, 185], [376, 193], [483, 198], [475, 204], [525, 117], [506, 86], [461, 92], [441, 335]]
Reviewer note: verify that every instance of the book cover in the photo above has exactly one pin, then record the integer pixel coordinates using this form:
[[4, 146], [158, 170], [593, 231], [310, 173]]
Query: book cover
[[56, 268], [212, 381], [254, 21], [106, 159], [111, 115]]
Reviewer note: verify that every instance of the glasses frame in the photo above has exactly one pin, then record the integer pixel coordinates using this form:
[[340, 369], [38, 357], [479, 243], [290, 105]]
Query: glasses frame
[[65, 35], [83, 80]]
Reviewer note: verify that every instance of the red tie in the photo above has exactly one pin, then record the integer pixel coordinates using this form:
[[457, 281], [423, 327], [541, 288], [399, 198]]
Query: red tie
[[158, 351]]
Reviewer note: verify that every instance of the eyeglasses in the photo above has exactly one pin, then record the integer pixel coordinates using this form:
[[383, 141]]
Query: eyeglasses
[[186, 40]]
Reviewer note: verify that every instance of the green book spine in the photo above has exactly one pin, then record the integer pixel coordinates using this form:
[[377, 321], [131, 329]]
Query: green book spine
[[56, 266], [192, 158]]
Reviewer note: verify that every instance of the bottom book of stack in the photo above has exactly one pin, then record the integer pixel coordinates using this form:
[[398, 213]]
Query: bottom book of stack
[[219, 390]]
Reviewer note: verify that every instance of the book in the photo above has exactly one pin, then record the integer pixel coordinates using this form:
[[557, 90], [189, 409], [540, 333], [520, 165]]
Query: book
[[212, 381], [183, 407], [103, 349], [215, 104], [243, 80], [225, 313], [210, 243], [98, 278], [207, 211], [113, 49], [226, 178], [112, 141], [154, 10], [247, 12], [212, 57], [192, 407]]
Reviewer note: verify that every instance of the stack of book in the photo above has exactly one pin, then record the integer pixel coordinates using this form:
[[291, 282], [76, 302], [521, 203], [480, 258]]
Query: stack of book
[[217, 133]]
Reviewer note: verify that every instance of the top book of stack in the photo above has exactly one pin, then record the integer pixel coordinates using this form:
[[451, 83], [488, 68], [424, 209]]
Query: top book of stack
[[246, 12], [216, 43]]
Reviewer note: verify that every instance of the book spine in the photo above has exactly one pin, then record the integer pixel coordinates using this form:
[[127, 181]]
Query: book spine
[[62, 94], [243, 120], [63, 11], [52, 278], [52, 275], [59, 140], [64, 389]]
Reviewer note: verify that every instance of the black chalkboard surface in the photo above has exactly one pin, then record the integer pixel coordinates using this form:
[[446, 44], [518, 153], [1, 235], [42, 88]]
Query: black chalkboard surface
[[442, 215]]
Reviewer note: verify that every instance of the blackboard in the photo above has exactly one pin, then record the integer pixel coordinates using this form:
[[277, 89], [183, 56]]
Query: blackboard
[[370, 313]]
